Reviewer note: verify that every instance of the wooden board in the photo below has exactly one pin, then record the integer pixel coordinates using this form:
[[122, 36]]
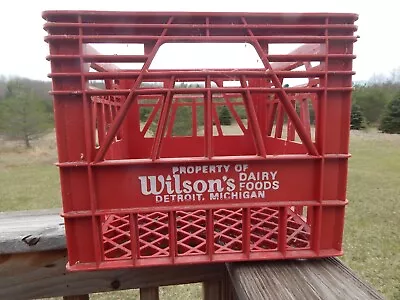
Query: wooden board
[[33, 259], [42, 274], [150, 293], [31, 231], [298, 279]]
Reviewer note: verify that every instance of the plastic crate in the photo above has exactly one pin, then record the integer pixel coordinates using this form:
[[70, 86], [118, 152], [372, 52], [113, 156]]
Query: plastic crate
[[149, 176]]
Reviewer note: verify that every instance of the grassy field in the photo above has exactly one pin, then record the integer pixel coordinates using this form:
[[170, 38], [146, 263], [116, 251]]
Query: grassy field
[[29, 180], [372, 239]]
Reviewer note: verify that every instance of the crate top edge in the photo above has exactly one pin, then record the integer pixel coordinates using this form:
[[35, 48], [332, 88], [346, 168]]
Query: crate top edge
[[293, 15]]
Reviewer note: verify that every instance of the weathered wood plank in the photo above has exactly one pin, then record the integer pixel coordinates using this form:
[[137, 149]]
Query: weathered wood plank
[[77, 297], [298, 279], [218, 290], [150, 293], [42, 274], [33, 259], [213, 290], [31, 231]]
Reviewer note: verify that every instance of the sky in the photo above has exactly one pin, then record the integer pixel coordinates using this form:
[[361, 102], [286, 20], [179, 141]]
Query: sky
[[23, 50]]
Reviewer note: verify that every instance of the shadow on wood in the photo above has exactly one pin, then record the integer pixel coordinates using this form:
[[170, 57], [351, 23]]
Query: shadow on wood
[[42, 274], [150, 293]]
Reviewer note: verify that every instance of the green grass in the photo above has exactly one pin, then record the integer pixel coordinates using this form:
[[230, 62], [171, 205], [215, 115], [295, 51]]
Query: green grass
[[372, 239], [29, 180], [176, 292]]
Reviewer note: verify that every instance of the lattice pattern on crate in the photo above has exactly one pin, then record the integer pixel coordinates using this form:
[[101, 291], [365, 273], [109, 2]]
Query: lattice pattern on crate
[[191, 232], [264, 229], [116, 237], [228, 230], [152, 233], [298, 232]]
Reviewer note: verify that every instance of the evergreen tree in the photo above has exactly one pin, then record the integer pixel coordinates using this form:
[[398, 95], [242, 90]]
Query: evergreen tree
[[390, 122], [225, 117], [357, 118]]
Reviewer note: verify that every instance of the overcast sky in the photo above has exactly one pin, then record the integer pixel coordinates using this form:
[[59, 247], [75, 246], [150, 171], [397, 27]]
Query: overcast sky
[[23, 50]]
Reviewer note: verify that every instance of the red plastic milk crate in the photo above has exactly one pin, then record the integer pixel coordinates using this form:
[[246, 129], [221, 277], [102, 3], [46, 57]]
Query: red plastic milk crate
[[149, 175]]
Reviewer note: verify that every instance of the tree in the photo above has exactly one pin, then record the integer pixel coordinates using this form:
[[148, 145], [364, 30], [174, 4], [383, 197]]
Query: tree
[[311, 111], [357, 118], [372, 101], [183, 121], [390, 122], [23, 116], [145, 112], [224, 116], [3, 87]]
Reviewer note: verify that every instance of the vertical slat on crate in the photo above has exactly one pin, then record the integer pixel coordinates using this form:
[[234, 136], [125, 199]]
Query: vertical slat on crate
[[246, 231], [172, 235], [272, 112], [194, 117], [279, 121], [210, 233], [208, 128], [320, 138], [71, 143], [259, 100], [134, 230], [282, 231], [253, 122], [150, 293], [89, 149]]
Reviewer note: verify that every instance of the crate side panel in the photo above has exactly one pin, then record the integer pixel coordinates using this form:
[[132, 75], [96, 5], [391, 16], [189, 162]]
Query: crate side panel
[[332, 228], [80, 240], [74, 188], [184, 184], [335, 179]]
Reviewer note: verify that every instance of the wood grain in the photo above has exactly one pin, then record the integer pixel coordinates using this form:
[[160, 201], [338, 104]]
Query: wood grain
[[42, 274], [298, 279], [77, 297], [31, 231], [218, 290], [212, 290], [33, 259], [150, 293]]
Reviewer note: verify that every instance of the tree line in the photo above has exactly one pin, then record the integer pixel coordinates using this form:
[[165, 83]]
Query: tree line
[[26, 110], [376, 104]]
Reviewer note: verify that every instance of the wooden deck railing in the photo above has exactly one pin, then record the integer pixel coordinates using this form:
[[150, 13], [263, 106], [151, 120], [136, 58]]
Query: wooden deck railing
[[33, 258]]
